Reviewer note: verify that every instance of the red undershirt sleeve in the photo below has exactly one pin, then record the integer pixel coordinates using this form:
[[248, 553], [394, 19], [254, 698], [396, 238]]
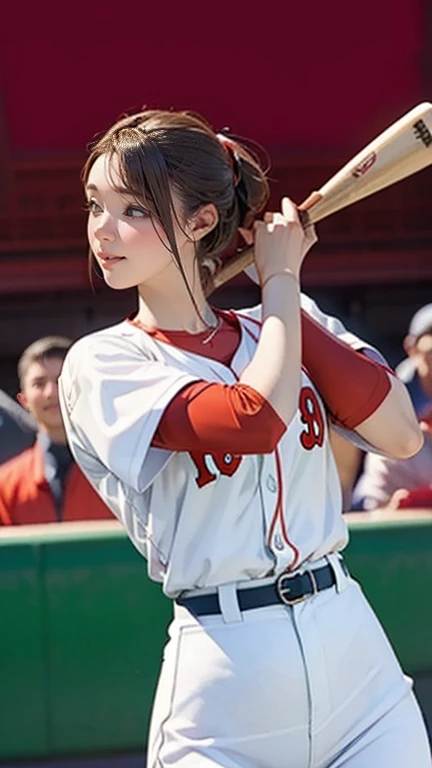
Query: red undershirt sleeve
[[352, 385], [209, 417]]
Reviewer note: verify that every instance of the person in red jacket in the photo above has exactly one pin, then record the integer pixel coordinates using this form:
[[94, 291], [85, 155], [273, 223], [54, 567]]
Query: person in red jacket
[[44, 484]]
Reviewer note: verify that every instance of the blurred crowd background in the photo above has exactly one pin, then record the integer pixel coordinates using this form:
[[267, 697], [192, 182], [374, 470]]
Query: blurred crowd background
[[311, 85]]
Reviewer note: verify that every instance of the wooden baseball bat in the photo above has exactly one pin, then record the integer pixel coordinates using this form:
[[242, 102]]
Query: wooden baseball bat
[[401, 150]]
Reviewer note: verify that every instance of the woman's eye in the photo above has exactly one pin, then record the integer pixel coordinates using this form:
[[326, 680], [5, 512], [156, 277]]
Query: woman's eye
[[135, 213], [93, 206]]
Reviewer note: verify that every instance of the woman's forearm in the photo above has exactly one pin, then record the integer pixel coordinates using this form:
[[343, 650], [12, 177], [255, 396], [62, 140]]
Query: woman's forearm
[[393, 428], [275, 369]]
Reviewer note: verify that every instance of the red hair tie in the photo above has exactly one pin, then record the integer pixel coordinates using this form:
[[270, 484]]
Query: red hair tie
[[230, 148]]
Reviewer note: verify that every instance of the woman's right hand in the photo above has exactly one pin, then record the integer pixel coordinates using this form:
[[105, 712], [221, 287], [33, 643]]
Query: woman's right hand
[[281, 242]]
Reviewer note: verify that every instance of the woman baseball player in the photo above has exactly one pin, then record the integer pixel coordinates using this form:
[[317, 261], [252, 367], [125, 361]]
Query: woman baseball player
[[206, 432]]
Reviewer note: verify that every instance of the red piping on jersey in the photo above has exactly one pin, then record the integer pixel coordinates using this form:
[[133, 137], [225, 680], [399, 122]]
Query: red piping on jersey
[[248, 330], [279, 513], [252, 319]]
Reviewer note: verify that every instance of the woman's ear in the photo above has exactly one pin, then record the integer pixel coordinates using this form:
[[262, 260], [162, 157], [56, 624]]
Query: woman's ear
[[203, 221]]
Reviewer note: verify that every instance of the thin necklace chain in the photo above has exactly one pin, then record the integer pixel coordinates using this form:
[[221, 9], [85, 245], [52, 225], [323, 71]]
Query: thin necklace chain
[[213, 331]]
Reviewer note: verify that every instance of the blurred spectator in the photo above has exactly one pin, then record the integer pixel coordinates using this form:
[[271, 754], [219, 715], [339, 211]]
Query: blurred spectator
[[17, 428], [419, 498], [416, 369], [385, 481], [44, 484], [398, 483]]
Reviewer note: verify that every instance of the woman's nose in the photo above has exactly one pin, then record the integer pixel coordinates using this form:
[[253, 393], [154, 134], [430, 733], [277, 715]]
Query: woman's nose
[[105, 229]]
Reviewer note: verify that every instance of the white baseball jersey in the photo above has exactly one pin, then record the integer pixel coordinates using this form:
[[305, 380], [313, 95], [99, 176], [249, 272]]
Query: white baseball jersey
[[200, 520]]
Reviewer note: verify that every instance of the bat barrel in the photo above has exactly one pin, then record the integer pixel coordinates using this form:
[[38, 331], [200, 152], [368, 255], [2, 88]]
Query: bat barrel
[[400, 151]]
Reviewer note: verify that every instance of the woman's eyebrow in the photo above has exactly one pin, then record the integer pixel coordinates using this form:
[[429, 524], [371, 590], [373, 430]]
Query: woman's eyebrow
[[119, 190]]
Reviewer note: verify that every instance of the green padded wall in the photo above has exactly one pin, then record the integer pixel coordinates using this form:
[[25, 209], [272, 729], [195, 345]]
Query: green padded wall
[[107, 625], [82, 630], [23, 653], [393, 562]]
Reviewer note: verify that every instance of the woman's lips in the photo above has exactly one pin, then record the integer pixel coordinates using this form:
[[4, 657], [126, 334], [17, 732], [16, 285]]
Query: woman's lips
[[108, 261]]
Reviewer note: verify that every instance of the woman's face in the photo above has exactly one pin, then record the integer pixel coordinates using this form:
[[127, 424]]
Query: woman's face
[[122, 236]]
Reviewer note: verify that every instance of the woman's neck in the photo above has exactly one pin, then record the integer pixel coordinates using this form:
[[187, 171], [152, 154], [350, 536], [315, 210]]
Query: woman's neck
[[174, 309]]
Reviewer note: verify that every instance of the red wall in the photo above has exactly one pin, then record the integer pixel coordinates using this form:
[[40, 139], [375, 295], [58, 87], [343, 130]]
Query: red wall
[[329, 74]]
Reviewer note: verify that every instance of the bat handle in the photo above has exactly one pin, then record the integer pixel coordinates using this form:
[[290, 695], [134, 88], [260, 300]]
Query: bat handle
[[231, 269], [305, 209]]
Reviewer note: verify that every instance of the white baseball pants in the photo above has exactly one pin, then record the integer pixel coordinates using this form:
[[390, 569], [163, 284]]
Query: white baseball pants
[[315, 685]]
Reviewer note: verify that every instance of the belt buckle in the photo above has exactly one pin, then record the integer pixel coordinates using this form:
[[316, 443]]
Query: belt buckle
[[283, 591]]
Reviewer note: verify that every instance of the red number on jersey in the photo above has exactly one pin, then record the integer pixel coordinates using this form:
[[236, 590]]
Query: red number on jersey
[[226, 463], [312, 417]]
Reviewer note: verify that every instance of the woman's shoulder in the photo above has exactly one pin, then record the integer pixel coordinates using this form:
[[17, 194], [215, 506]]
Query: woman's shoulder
[[120, 339], [103, 354]]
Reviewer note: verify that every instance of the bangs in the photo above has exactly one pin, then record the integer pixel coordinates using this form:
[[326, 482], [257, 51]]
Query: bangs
[[142, 172]]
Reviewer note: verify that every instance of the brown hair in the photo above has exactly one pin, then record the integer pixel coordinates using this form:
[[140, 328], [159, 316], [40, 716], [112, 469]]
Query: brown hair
[[48, 347], [159, 151]]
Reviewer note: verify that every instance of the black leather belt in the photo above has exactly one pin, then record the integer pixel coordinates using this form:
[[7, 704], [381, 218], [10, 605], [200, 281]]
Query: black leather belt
[[288, 589]]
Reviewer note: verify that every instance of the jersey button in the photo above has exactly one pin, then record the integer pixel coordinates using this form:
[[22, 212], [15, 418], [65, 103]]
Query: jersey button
[[271, 483]]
